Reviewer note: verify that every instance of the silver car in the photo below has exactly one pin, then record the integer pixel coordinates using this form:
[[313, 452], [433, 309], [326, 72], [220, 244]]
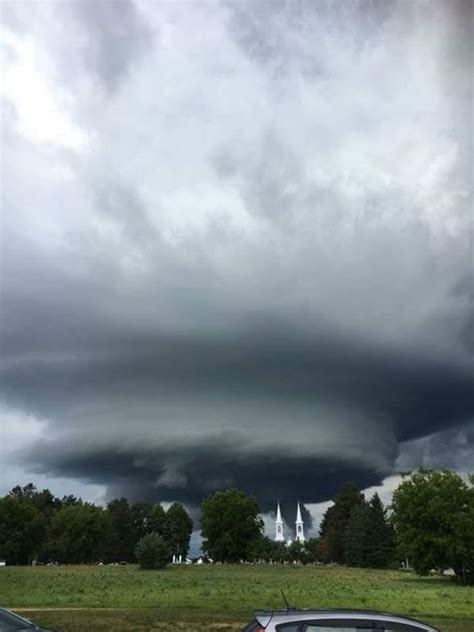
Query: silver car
[[301, 620]]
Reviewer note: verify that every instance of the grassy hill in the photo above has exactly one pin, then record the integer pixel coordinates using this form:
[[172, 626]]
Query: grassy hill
[[220, 597]]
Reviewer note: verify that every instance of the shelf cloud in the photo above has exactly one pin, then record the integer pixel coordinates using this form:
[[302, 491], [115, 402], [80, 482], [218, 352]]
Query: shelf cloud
[[236, 245]]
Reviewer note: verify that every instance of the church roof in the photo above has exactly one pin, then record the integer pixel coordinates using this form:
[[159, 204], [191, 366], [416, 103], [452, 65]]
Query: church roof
[[298, 514]]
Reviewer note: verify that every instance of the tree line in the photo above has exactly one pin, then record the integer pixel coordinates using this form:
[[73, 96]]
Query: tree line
[[37, 526], [430, 522]]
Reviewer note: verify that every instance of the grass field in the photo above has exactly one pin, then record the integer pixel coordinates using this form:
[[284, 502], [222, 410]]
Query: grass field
[[221, 598]]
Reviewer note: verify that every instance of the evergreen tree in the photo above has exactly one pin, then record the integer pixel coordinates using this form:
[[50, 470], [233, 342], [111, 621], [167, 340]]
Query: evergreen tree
[[358, 536], [381, 536], [335, 522], [120, 541], [369, 536], [153, 551]]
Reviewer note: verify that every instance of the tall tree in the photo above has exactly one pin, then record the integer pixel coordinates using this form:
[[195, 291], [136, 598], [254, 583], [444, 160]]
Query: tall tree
[[178, 527], [358, 536], [231, 526], [369, 536], [433, 514], [120, 540], [156, 519], [148, 518], [79, 532], [381, 535], [335, 522], [22, 529], [45, 503]]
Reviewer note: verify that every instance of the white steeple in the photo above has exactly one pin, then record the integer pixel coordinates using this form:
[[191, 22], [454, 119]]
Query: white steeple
[[279, 526], [299, 525]]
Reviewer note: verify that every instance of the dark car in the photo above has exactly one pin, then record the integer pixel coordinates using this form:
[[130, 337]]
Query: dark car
[[324, 620], [11, 622]]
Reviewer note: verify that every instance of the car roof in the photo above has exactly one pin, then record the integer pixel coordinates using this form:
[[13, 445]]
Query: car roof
[[297, 614]]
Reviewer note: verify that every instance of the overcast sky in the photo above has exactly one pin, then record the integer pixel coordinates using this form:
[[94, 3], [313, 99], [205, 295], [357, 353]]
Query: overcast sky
[[235, 246]]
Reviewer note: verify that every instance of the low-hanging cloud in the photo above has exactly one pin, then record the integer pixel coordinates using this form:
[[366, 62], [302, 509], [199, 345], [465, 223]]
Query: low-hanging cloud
[[247, 260]]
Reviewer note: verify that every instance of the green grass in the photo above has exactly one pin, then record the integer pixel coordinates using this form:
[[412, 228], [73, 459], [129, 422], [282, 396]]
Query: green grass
[[221, 597]]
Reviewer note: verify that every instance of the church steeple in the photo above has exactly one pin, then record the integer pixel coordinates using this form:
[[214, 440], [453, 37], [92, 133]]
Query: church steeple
[[299, 525], [279, 526]]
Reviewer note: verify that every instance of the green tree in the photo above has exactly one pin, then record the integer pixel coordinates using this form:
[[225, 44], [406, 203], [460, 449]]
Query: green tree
[[27, 492], [45, 503], [335, 522], [433, 513], [141, 512], [381, 536], [297, 552], [153, 551], [22, 529], [79, 532], [369, 536], [312, 548], [70, 499], [358, 536], [156, 519], [231, 526], [120, 540], [177, 529]]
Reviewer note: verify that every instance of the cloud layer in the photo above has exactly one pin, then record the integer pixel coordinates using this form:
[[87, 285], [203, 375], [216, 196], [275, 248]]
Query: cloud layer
[[235, 243]]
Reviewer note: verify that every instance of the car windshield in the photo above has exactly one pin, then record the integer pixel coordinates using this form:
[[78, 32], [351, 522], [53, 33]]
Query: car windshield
[[10, 622]]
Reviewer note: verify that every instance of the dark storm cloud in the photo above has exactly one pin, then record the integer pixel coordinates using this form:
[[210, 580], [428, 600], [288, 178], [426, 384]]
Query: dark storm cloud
[[198, 470], [257, 375], [200, 289], [414, 394]]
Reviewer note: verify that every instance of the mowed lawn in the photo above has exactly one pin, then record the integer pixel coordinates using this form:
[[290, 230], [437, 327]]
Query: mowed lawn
[[221, 598]]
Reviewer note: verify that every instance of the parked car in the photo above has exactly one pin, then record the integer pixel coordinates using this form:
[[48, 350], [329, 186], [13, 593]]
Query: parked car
[[301, 620], [11, 622]]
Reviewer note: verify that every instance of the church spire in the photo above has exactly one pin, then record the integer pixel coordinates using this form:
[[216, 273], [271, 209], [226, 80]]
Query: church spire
[[299, 524], [279, 526]]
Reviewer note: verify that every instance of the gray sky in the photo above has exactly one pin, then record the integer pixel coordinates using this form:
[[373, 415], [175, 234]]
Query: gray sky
[[235, 246]]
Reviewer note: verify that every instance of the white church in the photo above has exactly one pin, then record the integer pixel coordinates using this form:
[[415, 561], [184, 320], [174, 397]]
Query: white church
[[299, 527]]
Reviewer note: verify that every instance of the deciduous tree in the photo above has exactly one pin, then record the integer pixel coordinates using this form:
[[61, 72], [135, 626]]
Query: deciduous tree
[[22, 529], [231, 526], [79, 532], [434, 521], [177, 528]]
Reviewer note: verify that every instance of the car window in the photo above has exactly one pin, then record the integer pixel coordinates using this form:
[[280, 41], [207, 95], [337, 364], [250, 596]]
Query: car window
[[342, 628], [339, 626], [9, 622], [399, 627]]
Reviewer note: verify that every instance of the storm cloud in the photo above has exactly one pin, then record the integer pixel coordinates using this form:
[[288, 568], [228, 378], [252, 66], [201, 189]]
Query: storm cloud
[[236, 245]]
